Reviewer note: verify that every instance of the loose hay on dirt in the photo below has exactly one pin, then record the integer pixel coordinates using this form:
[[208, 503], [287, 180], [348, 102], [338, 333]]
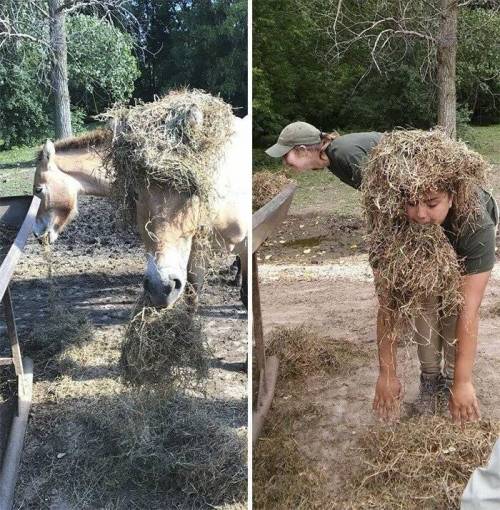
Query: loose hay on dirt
[[137, 450], [165, 346], [265, 186], [403, 169], [420, 464], [283, 477], [302, 352], [176, 141], [62, 328]]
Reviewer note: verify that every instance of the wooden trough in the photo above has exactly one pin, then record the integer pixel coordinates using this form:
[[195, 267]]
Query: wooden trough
[[264, 223], [15, 213]]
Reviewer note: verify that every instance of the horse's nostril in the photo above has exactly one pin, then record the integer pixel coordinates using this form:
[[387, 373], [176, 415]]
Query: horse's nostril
[[146, 284], [177, 283]]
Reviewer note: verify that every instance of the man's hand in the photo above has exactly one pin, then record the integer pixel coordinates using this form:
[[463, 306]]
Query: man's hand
[[463, 403], [388, 394]]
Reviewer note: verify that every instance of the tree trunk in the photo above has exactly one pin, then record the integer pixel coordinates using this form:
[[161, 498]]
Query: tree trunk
[[446, 67], [59, 78]]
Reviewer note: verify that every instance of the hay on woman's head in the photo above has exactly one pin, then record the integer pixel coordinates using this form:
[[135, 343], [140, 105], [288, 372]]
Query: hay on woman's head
[[408, 165], [416, 262]]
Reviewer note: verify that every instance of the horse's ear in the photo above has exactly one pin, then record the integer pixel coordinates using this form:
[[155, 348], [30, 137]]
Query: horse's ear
[[48, 150], [195, 117]]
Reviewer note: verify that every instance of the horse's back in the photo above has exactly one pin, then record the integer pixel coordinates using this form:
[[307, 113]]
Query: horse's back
[[232, 193]]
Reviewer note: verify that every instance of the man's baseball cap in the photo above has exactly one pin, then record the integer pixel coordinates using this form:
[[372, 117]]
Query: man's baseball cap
[[297, 133]]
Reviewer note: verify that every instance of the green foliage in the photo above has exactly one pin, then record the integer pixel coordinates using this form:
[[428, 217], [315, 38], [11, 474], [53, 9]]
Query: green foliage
[[101, 66], [478, 64], [202, 44], [23, 101], [298, 76]]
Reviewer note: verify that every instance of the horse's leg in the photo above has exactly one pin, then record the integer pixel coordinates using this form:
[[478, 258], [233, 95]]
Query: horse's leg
[[244, 280], [195, 274], [237, 265]]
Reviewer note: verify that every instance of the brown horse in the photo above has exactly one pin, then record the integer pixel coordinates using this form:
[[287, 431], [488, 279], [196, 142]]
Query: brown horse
[[166, 219]]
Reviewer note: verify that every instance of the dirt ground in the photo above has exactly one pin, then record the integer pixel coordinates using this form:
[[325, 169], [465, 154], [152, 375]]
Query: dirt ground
[[316, 272], [98, 272]]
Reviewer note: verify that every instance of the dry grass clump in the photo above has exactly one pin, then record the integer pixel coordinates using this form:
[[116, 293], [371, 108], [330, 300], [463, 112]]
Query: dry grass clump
[[414, 262], [7, 237], [137, 449], [303, 352], [165, 346], [283, 477], [62, 328], [265, 186], [422, 463], [175, 141]]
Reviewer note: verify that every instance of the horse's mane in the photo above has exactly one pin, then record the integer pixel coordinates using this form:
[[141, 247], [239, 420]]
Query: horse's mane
[[94, 138]]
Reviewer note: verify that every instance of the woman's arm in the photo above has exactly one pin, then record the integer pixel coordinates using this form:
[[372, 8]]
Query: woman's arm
[[463, 403], [388, 390]]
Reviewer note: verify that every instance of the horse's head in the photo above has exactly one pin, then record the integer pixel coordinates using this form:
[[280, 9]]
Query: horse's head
[[167, 222], [58, 193]]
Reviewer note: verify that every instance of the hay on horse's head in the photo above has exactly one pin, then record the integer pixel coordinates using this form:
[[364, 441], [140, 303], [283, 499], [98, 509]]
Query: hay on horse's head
[[176, 141], [415, 263]]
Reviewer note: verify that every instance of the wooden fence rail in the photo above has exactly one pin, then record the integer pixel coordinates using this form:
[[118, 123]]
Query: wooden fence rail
[[264, 223], [17, 212]]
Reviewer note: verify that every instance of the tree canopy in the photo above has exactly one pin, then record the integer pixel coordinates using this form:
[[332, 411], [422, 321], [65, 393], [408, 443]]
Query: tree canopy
[[301, 72]]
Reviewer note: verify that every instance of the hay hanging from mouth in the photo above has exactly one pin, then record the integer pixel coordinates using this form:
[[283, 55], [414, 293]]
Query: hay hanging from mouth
[[265, 186], [415, 263], [175, 141], [165, 347], [421, 463]]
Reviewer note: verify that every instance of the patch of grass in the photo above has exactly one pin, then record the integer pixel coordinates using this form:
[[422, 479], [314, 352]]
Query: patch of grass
[[486, 140], [302, 353], [17, 156], [422, 463]]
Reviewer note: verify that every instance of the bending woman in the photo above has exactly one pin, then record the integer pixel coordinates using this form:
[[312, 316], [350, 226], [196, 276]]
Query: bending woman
[[446, 345]]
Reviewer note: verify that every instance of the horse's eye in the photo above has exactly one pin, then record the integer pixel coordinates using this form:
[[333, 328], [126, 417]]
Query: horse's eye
[[38, 189]]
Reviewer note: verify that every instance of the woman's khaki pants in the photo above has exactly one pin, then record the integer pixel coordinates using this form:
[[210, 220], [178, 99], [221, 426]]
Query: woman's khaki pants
[[436, 339]]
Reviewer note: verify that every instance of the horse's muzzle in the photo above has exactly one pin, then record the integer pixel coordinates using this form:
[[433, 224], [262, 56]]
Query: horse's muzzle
[[163, 293]]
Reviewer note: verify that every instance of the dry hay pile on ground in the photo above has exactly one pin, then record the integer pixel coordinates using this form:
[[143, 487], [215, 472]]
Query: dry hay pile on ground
[[166, 347], [283, 476], [265, 186], [403, 168], [136, 449], [420, 464], [175, 141], [303, 352]]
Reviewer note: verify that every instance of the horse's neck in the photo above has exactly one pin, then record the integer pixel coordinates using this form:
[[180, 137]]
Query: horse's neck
[[86, 168]]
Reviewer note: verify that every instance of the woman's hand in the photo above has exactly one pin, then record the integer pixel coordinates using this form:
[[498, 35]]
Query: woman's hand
[[463, 403], [388, 394]]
